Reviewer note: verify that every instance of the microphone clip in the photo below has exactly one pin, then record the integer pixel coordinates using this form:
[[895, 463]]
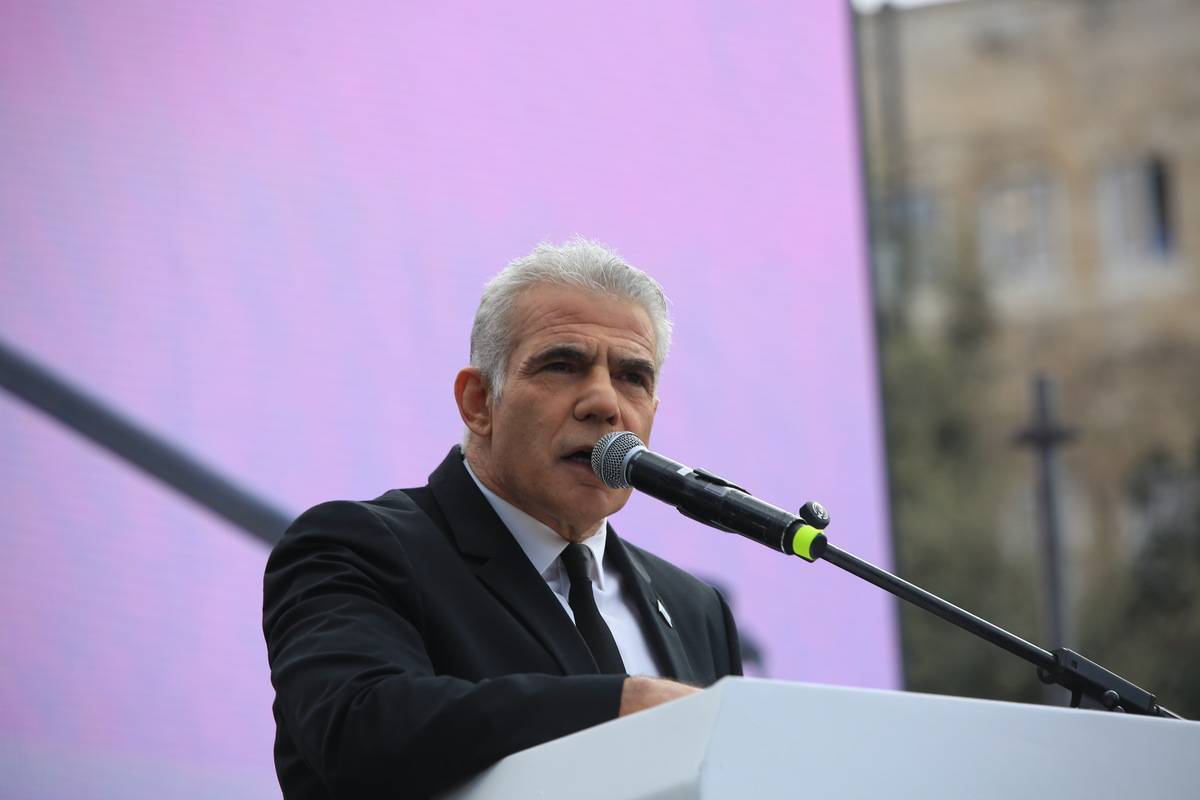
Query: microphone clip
[[716, 481]]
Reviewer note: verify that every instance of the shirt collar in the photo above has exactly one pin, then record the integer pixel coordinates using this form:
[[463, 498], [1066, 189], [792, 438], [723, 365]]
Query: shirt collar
[[542, 546]]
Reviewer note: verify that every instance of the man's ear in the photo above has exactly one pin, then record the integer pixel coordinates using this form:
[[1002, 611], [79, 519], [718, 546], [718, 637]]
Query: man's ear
[[471, 394]]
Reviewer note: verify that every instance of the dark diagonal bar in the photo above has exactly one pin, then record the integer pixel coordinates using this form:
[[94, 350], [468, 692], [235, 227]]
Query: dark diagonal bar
[[104, 426]]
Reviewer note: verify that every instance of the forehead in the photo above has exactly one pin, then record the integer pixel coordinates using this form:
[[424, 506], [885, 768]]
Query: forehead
[[547, 313]]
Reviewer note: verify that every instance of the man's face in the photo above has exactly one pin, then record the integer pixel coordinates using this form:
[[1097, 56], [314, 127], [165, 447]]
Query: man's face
[[582, 366]]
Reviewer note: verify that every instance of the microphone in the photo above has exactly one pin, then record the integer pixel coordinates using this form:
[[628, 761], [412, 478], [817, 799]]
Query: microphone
[[621, 460]]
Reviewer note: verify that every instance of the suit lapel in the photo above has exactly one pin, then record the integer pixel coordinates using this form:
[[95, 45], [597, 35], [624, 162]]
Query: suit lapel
[[503, 567], [660, 633]]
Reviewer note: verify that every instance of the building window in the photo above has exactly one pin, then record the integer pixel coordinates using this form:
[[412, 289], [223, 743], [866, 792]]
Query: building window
[[1134, 211], [909, 247], [920, 214], [1016, 230]]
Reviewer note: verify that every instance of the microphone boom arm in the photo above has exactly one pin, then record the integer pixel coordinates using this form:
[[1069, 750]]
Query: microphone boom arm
[[620, 459], [1079, 675]]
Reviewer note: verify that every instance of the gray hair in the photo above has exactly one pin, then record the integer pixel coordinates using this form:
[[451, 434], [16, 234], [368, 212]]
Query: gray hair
[[578, 263]]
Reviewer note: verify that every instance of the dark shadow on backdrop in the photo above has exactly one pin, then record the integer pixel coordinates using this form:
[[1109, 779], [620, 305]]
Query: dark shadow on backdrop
[[155, 456]]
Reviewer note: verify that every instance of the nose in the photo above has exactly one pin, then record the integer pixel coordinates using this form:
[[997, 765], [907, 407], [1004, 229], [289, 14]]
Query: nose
[[598, 399]]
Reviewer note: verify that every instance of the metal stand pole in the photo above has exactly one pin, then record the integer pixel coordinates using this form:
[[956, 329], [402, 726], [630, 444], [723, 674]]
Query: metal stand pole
[[1044, 435]]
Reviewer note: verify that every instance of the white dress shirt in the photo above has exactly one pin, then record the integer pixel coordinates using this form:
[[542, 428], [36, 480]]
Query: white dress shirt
[[542, 546]]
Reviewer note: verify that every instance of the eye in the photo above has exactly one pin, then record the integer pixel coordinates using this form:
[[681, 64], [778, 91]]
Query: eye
[[559, 366], [636, 378]]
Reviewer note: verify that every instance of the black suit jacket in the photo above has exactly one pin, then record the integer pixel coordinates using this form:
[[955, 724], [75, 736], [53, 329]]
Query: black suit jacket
[[412, 643]]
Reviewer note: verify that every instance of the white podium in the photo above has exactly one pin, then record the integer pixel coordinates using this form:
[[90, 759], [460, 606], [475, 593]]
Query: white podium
[[747, 738]]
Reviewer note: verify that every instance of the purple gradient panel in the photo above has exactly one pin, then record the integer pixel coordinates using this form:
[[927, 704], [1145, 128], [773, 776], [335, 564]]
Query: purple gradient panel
[[262, 229]]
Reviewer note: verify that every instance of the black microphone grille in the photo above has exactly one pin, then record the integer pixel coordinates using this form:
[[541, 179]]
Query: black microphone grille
[[608, 457]]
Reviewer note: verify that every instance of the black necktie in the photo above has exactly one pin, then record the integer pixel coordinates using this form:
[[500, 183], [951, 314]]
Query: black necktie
[[587, 617]]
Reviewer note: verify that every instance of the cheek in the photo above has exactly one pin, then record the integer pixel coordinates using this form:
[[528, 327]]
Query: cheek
[[517, 422], [641, 419]]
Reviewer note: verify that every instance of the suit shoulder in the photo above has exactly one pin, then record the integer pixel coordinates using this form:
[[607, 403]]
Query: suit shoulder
[[399, 514]]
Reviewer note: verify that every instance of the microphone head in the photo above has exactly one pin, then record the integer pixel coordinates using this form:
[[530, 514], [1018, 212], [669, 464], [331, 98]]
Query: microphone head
[[609, 456]]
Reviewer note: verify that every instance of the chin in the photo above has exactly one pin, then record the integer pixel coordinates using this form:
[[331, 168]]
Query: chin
[[594, 503], [584, 516]]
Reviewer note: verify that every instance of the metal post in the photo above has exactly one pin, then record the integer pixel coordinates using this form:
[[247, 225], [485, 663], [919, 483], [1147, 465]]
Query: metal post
[[1044, 435]]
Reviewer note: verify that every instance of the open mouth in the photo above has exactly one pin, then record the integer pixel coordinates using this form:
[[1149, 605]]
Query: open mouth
[[582, 456]]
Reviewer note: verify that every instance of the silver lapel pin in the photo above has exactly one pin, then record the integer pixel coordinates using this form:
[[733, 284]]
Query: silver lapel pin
[[663, 610]]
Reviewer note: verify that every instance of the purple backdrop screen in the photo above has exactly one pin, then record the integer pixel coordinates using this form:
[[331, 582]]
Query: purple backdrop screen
[[261, 230]]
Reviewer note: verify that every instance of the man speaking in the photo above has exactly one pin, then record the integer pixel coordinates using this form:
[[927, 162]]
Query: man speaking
[[419, 637]]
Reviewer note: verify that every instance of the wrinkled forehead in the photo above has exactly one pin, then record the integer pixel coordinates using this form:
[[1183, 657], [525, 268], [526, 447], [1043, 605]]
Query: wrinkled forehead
[[546, 313]]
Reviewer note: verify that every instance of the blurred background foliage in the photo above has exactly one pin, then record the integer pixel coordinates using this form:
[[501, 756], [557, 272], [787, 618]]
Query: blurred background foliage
[[1033, 168]]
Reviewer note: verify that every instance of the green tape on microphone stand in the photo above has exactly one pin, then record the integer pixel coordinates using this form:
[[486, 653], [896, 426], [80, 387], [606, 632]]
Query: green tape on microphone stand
[[808, 542]]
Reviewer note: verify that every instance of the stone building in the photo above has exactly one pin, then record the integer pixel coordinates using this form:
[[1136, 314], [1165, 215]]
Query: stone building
[[1047, 152]]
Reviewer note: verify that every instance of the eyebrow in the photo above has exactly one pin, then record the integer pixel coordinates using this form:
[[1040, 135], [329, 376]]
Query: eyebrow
[[636, 365], [558, 352], [577, 355]]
